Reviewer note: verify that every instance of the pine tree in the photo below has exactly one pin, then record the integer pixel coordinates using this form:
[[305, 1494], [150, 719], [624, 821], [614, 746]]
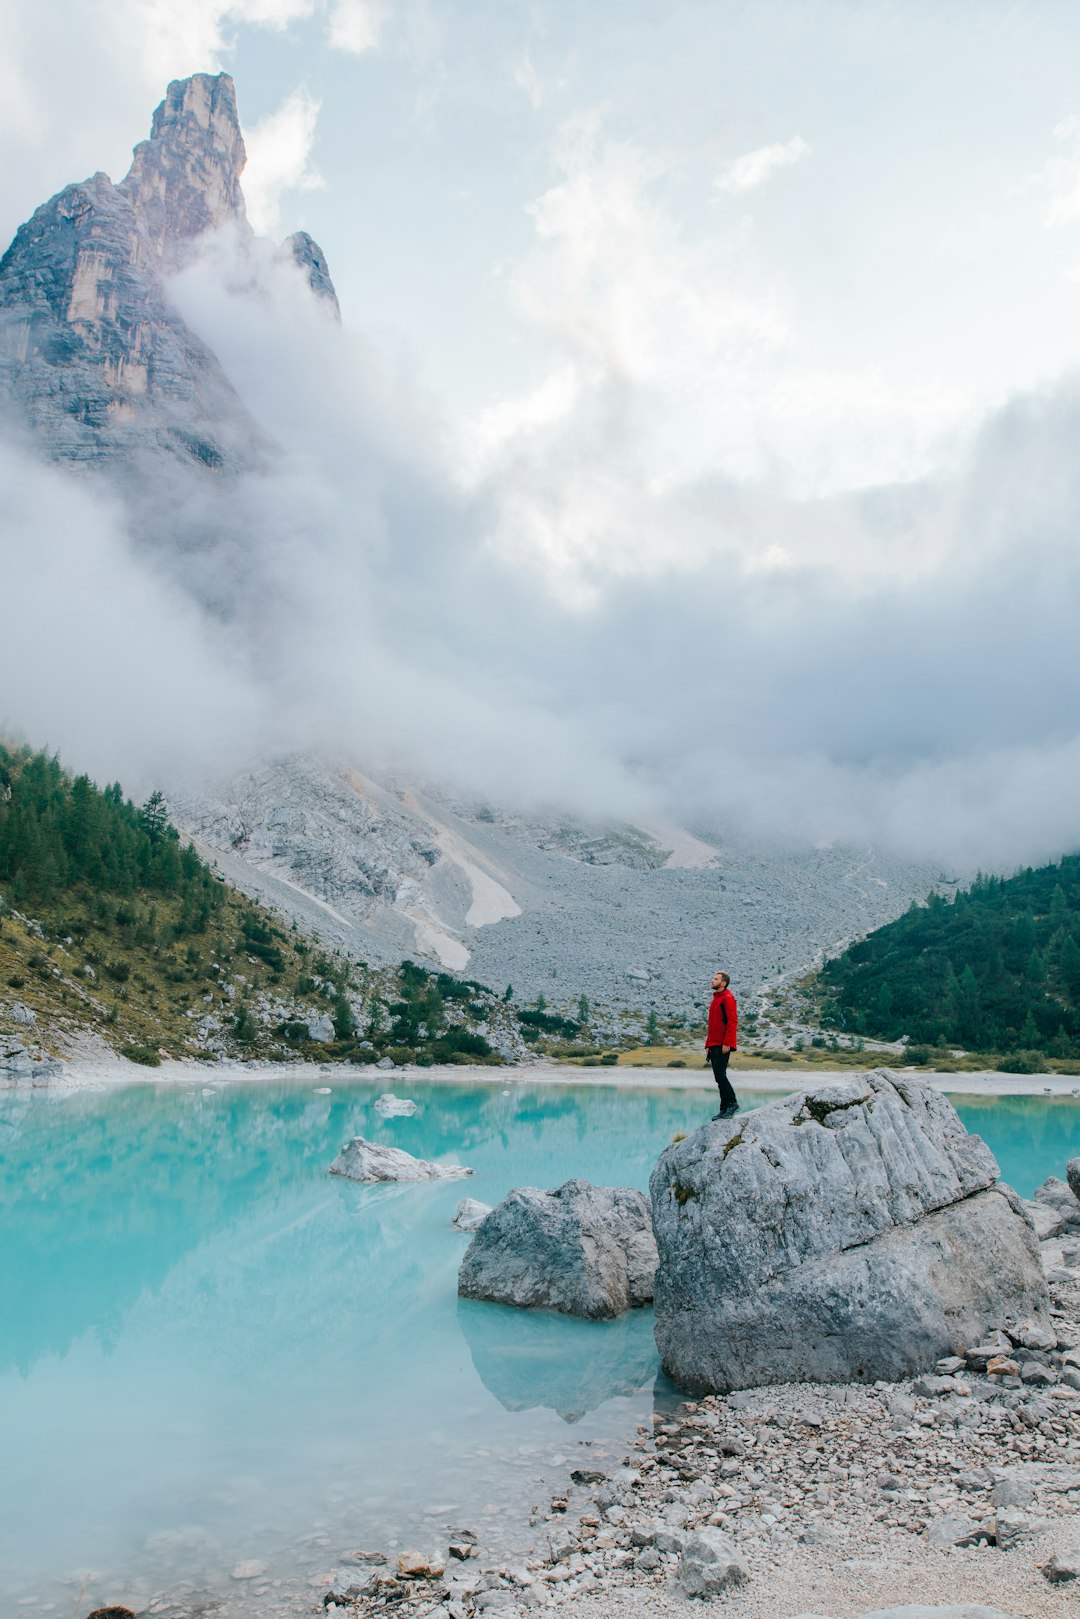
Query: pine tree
[[1029, 1033], [583, 1009], [652, 1028], [154, 817], [1035, 971]]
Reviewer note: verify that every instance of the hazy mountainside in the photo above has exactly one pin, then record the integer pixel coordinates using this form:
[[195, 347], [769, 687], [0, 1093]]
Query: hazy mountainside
[[626, 915], [100, 371], [111, 927], [995, 969]]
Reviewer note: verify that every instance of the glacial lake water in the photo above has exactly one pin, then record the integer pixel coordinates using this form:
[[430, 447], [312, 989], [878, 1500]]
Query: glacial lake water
[[213, 1352]]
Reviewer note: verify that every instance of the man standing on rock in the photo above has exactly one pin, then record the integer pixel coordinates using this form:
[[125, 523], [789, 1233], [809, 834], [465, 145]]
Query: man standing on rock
[[720, 1039]]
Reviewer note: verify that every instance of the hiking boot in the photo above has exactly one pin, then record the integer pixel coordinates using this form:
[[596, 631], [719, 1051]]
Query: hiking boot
[[728, 1112]]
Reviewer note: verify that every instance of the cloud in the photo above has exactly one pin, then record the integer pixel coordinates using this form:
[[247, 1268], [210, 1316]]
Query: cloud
[[752, 169], [279, 152], [355, 25], [528, 81], [195, 36]]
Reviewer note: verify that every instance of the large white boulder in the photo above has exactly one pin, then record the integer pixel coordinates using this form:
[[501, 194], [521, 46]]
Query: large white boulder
[[361, 1160], [584, 1250], [850, 1232]]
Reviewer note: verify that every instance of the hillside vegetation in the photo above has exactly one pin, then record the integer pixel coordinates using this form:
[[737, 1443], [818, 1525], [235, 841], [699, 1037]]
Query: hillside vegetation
[[110, 924], [995, 969]]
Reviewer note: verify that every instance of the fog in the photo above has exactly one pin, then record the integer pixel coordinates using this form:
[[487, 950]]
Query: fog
[[545, 625]]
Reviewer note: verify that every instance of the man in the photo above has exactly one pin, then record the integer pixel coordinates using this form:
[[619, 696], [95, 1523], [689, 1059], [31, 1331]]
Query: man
[[721, 1035]]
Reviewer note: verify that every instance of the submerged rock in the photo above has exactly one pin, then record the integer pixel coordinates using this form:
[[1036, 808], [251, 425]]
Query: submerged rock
[[583, 1250], [851, 1232], [470, 1214], [361, 1160]]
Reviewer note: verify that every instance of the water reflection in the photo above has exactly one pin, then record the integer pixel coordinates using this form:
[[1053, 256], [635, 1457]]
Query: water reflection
[[530, 1358]]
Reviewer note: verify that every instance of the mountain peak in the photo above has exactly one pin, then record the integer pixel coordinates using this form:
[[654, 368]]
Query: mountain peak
[[185, 179]]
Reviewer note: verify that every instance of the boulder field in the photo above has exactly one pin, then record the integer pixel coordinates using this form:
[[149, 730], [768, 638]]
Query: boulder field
[[850, 1232]]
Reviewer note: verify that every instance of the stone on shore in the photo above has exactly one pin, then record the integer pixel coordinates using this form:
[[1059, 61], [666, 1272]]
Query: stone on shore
[[470, 1214], [1058, 1196], [583, 1250], [361, 1160], [851, 1232], [709, 1564], [1072, 1175]]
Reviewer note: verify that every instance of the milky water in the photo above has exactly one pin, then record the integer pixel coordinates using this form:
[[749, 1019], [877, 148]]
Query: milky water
[[213, 1352]]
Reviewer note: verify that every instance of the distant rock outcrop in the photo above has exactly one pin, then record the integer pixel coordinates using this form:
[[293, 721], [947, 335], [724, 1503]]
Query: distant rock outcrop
[[307, 253], [584, 1250], [850, 1232]]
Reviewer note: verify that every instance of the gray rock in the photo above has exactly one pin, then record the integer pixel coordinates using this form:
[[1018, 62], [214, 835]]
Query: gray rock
[[385, 1062], [583, 1250], [953, 1529], [470, 1214], [709, 1564], [361, 1160], [1059, 1196], [850, 1232], [1012, 1525], [1048, 1222], [1064, 1564], [1013, 1492], [23, 1014], [321, 1029], [1072, 1176]]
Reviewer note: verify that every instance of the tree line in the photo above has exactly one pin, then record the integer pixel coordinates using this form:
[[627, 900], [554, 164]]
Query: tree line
[[996, 968], [59, 832]]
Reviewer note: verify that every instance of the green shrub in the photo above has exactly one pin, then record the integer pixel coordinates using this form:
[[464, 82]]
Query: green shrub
[[917, 1056], [676, 1062], [610, 1057], [1022, 1062], [142, 1054]]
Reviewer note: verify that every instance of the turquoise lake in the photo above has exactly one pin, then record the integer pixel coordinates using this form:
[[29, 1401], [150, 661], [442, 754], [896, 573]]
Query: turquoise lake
[[211, 1351]]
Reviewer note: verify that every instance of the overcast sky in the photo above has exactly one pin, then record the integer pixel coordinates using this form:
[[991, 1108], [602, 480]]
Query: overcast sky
[[750, 330]]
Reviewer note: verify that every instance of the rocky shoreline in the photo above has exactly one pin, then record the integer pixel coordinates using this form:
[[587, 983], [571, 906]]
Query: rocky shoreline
[[961, 1487], [962, 1483]]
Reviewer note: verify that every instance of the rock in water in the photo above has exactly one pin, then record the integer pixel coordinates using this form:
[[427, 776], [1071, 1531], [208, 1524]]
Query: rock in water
[[361, 1160], [470, 1214], [584, 1250], [850, 1232], [394, 1107]]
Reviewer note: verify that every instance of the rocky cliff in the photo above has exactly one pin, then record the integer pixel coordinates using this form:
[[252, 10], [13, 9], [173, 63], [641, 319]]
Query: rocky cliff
[[95, 362]]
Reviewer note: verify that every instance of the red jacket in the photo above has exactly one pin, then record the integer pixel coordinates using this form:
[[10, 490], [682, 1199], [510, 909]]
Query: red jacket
[[723, 1026]]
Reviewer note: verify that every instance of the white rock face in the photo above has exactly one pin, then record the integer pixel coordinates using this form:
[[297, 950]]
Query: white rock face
[[851, 1232], [321, 1028], [583, 1250], [361, 1160]]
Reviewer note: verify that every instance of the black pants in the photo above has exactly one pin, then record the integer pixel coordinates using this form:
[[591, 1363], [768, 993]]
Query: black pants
[[720, 1059]]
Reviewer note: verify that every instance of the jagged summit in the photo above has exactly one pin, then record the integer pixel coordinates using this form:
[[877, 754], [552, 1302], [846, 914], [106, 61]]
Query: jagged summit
[[185, 180], [95, 362]]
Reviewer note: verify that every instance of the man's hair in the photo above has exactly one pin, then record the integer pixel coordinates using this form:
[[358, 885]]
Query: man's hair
[[720, 973]]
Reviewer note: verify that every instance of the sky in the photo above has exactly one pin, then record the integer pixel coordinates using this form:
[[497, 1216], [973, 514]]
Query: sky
[[733, 349]]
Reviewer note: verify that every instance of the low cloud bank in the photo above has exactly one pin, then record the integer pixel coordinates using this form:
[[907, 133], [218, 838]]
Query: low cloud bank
[[894, 667]]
